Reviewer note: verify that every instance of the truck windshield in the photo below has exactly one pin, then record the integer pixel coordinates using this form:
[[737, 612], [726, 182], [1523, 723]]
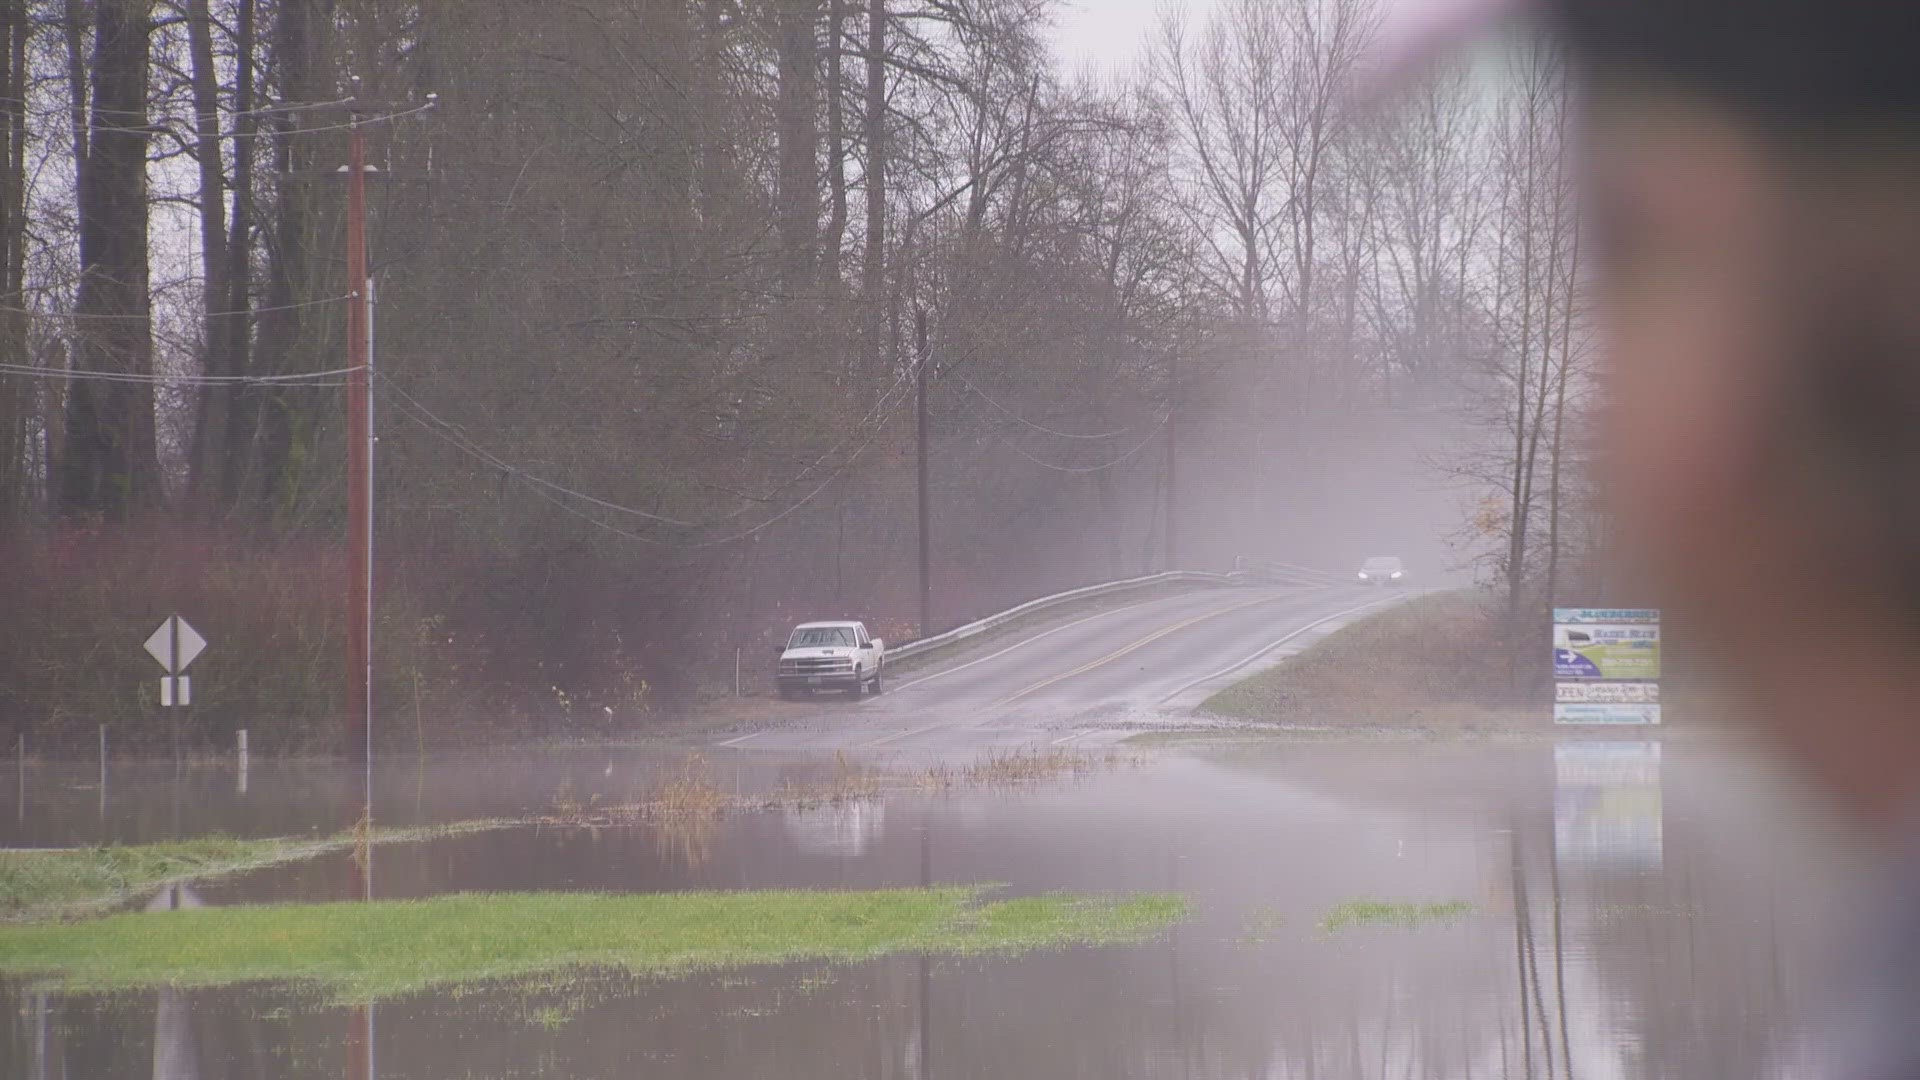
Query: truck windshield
[[814, 637]]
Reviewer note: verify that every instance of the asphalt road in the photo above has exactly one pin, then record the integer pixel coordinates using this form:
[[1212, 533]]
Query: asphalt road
[[1095, 679]]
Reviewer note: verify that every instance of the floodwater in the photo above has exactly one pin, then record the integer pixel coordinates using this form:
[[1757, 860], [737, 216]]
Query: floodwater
[[1638, 910]]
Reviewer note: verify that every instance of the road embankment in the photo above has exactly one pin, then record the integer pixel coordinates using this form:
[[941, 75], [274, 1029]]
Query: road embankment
[[1437, 663]]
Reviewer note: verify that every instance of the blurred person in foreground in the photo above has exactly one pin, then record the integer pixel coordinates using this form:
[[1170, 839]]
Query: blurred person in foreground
[[1751, 172]]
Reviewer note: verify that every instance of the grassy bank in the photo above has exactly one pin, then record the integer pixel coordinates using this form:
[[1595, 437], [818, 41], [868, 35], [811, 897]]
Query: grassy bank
[[43, 884], [361, 952], [46, 884], [72, 883], [1436, 662]]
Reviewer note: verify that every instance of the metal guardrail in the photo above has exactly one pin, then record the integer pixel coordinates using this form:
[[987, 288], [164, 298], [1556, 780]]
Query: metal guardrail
[[959, 634], [1283, 573]]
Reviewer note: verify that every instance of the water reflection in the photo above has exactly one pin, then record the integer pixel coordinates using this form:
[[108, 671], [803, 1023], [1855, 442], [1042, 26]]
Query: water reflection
[[174, 1054], [1606, 804], [687, 839], [844, 831], [360, 1044], [1620, 928]]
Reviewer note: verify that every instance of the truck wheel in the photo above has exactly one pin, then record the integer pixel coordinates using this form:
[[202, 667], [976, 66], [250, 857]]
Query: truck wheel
[[878, 674], [859, 688]]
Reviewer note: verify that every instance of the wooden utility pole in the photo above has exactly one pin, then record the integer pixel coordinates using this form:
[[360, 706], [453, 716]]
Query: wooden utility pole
[[873, 268], [359, 455], [1173, 449], [922, 356]]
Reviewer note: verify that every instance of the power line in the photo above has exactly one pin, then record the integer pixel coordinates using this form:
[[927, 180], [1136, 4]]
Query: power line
[[148, 315], [186, 129], [451, 434], [292, 107], [188, 133], [1141, 445], [304, 378], [872, 415], [984, 396], [346, 126], [552, 492], [66, 112], [811, 495]]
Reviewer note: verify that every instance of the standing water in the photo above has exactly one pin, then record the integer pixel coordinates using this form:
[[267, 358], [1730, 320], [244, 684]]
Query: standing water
[[1577, 910]]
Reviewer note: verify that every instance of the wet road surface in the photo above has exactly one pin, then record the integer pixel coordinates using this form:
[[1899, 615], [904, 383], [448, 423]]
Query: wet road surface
[[1094, 680]]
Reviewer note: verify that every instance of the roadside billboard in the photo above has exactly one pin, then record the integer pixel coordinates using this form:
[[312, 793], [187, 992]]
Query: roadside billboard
[[1606, 703], [1620, 714], [1606, 643], [1606, 693], [1606, 662]]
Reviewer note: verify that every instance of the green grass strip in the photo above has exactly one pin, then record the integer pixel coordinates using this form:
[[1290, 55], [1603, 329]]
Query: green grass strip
[[1355, 914], [39, 884], [69, 883], [372, 951]]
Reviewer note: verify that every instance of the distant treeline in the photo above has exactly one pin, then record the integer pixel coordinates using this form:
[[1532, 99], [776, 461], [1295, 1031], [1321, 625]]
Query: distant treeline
[[653, 283]]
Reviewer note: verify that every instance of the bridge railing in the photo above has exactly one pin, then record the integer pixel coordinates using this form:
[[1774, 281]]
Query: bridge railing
[[980, 626], [1275, 572]]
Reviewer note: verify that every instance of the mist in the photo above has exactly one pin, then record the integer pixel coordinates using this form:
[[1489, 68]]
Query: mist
[[658, 362]]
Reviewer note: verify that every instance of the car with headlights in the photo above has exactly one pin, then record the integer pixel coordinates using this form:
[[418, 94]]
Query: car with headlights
[[838, 655], [1382, 570]]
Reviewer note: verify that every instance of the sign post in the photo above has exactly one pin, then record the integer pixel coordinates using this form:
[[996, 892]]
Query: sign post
[[1606, 663], [175, 645]]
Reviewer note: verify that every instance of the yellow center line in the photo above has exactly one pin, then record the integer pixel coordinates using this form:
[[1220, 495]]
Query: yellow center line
[[1125, 649]]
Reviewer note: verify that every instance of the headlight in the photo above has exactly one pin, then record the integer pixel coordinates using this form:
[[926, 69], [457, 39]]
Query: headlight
[[1396, 575], [1363, 575]]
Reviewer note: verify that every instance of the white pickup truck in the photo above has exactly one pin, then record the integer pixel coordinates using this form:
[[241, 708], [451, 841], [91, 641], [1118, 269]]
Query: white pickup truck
[[831, 656]]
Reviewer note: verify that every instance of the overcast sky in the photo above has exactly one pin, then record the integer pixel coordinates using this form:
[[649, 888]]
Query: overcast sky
[[1107, 34]]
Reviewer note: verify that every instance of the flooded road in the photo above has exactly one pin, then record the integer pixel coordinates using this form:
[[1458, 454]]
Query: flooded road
[[1635, 910]]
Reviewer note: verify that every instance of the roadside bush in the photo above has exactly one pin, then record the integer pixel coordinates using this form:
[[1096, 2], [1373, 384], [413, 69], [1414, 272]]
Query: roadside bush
[[81, 603], [471, 646]]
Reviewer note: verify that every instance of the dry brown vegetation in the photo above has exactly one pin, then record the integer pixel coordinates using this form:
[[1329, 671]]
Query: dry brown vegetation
[[1027, 766], [685, 811], [693, 791]]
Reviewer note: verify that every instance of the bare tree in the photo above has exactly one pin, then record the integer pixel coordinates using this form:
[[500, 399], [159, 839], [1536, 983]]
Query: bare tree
[[219, 329], [110, 462], [798, 51], [1428, 224], [1322, 39], [837, 140], [1226, 91], [16, 397], [231, 436], [873, 265], [1527, 346]]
